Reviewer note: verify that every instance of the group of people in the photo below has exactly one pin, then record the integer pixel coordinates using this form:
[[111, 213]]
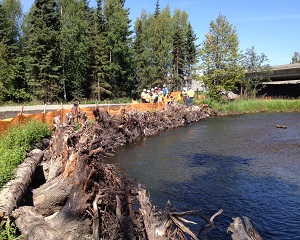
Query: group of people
[[158, 94], [154, 95]]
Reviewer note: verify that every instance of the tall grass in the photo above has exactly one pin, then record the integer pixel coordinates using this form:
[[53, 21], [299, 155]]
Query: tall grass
[[15, 143], [255, 106]]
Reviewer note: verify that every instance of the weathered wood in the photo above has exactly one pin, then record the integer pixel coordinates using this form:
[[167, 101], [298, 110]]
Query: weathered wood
[[169, 224], [150, 219], [50, 197], [243, 231], [33, 225], [13, 192]]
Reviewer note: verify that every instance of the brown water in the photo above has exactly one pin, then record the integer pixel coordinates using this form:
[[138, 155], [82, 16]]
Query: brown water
[[242, 164]]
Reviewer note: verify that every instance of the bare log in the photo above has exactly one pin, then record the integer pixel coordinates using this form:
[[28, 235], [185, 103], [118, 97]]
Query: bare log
[[243, 231], [13, 192], [39, 228], [149, 217], [51, 197], [169, 224]]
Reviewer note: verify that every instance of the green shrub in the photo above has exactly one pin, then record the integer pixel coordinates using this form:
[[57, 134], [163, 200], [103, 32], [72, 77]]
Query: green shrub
[[15, 143], [9, 231], [254, 105]]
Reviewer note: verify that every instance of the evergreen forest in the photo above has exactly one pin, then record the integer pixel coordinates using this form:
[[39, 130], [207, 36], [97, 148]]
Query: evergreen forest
[[64, 50]]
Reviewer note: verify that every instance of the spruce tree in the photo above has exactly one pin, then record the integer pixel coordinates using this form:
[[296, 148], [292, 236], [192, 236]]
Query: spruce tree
[[75, 48], [43, 50], [11, 67], [119, 49], [100, 87], [161, 42], [191, 50], [144, 54], [157, 9], [165, 48], [179, 48]]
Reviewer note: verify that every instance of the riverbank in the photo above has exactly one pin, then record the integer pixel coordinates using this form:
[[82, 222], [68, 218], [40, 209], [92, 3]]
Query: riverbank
[[76, 181], [131, 127], [255, 106]]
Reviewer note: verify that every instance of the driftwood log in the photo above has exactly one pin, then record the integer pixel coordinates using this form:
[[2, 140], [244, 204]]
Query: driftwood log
[[13, 193], [81, 197], [243, 230]]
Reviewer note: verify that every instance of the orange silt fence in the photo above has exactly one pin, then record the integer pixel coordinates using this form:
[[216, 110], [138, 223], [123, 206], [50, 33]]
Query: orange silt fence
[[4, 124], [48, 117], [88, 111], [176, 95]]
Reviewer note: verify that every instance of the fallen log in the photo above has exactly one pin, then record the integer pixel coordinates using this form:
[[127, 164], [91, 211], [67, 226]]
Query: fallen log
[[12, 193], [170, 224], [243, 230], [40, 229]]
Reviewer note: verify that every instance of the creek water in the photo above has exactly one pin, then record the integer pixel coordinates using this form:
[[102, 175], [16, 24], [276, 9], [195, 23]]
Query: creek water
[[241, 164]]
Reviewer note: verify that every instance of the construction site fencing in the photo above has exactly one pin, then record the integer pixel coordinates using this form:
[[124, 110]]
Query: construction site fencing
[[48, 117]]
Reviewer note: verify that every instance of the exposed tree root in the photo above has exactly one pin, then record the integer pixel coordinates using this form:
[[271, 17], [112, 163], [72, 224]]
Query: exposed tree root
[[83, 198]]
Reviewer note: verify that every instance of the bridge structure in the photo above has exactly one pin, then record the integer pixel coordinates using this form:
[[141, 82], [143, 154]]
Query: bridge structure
[[284, 81]]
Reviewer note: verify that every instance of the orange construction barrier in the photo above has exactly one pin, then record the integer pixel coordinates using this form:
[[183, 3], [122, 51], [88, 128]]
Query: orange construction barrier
[[176, 95], [49, 116]]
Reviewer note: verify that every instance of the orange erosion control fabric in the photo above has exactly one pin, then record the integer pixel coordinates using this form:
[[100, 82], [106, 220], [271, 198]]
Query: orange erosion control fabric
[[47, 117]]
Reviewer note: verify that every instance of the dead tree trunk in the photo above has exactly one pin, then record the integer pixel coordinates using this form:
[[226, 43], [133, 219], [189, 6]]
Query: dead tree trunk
[[243, 230], [13, 192]]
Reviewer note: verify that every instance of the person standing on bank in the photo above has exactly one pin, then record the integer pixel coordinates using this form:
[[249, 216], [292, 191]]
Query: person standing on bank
[[148, 96], [165, 90], [191, 95], [143, 96]]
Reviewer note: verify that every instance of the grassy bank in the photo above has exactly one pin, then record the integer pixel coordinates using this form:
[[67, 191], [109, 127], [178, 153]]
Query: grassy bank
[[15, 144], [255, 106]]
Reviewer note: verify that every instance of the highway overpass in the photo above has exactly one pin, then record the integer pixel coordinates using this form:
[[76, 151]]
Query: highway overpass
[[284, 81]]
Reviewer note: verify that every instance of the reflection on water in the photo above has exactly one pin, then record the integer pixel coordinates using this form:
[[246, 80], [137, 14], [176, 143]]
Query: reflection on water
[[242, 164]]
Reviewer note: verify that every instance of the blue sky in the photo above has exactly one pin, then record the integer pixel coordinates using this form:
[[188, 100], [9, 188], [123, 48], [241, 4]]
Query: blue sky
[[271, 26]]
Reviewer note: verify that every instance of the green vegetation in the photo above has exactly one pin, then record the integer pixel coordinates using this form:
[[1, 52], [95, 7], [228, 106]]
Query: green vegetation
[[255, 106], [257, 71], [15, 143], [221, 58], [296, 58], [65, 50], [9, 231]]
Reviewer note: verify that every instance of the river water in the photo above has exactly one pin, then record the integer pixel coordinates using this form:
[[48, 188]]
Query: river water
[[241, 164]]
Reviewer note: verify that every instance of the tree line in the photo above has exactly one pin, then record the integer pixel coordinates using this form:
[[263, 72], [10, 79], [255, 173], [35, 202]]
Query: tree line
[[64, 50]]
